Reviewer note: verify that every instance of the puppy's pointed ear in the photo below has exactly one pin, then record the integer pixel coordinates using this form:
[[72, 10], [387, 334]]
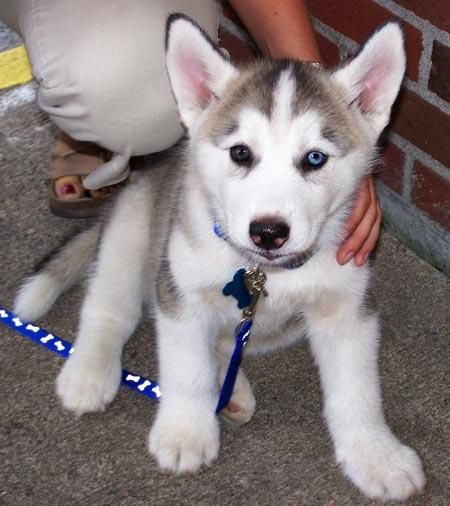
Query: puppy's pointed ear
[[373, 78], [198, 71]]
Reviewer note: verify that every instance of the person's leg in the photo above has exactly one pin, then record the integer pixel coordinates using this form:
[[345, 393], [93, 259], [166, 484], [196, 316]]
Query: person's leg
[[101, 73]]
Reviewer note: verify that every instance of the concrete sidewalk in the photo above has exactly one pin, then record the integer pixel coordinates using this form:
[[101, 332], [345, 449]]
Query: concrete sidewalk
[[283, 456]]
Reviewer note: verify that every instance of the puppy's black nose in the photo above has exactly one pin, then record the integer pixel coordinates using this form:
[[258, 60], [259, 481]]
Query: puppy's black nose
[[269, 234]]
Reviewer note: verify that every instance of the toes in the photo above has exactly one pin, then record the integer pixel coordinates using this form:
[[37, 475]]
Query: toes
[[84, 389], [242, 405], [69, 188], [384, 469], [238, 414], [100, 192], [184, 447]]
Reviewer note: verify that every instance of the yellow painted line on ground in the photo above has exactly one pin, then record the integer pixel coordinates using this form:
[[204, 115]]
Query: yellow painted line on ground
[[14, 67]]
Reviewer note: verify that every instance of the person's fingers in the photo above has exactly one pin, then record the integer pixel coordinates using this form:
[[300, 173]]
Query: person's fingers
[[369, 245], [354, 243], [362, 204], [373, 193], [365, 215]]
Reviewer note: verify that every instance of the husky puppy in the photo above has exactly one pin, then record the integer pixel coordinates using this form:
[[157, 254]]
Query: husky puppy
[[274, 155]]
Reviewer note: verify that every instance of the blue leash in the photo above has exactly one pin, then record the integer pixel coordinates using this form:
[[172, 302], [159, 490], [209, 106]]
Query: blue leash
[[64, 348], [135, 382], [242, 335], [246, 287]]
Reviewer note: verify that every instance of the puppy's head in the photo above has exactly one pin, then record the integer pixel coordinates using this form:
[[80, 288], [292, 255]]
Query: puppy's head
[[281, 146]]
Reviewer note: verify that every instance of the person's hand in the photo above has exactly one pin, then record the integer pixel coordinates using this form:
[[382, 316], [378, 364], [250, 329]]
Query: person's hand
[[363, 226]]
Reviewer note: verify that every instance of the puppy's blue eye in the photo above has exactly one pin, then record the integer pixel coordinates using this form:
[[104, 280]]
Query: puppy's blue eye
[[241, 154], [314, 160]]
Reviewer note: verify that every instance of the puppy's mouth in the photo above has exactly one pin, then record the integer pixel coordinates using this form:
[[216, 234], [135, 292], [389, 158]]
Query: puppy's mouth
[[268, 258], [273, 259]]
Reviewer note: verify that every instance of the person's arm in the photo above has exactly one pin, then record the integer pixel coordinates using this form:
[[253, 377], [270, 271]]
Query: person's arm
[[282, 28]]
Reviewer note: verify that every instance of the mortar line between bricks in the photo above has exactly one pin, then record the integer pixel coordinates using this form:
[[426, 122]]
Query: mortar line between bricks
[[407, 177], [437, 246], [421, 88], [425, 61], [334, 36], [427, 95], [418, 88], [411, 149], [415, 20]]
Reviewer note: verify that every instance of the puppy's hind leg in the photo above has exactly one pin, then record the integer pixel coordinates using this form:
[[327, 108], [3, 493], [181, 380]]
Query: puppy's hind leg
[[90, 378], [242, 404]]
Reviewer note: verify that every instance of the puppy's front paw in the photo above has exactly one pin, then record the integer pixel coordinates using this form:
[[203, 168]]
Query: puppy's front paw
[[382, 467], [87, 384], [183, 441]]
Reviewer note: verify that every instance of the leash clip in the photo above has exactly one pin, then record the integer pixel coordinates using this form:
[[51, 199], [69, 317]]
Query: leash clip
[[254, 280]]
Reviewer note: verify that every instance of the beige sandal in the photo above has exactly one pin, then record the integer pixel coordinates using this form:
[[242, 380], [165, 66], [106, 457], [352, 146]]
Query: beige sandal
[[71, 162]]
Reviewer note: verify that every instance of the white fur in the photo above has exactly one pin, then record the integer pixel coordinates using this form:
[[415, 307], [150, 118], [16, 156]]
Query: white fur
[[197, 71], [193, 343], [90, 378], [375, 75], [36, 296], [185, 434], [39, 292], [241, 200]]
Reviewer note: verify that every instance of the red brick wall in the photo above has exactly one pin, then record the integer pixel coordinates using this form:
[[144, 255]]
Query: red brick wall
[[417, 158], [417, 146]]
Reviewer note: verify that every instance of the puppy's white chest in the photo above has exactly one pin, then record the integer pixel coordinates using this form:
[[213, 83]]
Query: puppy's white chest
[[277, 316]]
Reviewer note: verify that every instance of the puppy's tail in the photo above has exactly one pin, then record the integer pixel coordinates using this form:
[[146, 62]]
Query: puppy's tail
[[68, 266]]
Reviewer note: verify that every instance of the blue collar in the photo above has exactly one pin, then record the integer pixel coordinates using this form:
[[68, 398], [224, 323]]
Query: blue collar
[[298, 262]]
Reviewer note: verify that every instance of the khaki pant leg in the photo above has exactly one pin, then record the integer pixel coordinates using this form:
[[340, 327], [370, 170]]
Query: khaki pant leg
[[100, 69]]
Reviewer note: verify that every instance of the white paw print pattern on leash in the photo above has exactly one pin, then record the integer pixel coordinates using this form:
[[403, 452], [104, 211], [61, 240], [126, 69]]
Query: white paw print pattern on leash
[[64, 349]]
